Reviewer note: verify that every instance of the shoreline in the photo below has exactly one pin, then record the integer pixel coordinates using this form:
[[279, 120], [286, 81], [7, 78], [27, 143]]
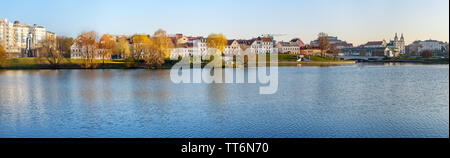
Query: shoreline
[[280, 64], [170, 64]]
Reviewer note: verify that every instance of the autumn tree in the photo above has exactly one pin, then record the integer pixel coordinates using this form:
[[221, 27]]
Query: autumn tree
[[50, 53], [122, 48], [140, 47], [324, 43], [63, 45], [2, 56], [161, 48], [427, 54], [87, 41], [106, 44], [218, 41]]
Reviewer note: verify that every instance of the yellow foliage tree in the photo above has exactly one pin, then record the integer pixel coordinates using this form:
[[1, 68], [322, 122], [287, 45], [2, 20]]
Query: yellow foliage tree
[[218, 41], [107, 44], [2, 56], [140, 47], [161, 48], [162, 43], [122, 48]]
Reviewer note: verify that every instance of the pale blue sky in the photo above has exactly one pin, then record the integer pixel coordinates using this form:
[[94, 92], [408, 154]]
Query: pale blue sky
[[356, 21]]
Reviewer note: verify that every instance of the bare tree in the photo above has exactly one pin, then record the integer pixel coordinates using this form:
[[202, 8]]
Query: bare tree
[[50, 52], [63, 45], [427, 54], [334, 51], [324, 43]]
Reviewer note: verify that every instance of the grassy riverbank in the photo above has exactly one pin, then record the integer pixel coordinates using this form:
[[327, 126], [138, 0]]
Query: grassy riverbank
[[283, 59], [36, 63], [289, 59]]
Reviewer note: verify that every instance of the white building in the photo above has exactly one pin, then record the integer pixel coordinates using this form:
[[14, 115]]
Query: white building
[[21, 40], [432, 45], [188, 46], [260, 45], [288, 47], [232, 47], [77, 52]]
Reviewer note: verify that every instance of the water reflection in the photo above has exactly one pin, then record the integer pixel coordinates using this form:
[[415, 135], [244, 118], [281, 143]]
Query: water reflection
[[345, 101]]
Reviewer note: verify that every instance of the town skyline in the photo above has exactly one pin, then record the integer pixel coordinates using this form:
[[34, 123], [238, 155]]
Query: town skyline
[[350, 22]]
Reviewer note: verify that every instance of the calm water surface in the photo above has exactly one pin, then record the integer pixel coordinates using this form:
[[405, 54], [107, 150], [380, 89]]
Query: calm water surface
[[343, 101]]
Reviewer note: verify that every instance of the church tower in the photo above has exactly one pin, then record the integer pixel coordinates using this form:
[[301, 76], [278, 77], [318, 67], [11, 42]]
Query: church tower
[[395, 40], [402, 45]]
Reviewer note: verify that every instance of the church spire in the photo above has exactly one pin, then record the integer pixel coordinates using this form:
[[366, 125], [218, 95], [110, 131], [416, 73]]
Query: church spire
[[396, 37]]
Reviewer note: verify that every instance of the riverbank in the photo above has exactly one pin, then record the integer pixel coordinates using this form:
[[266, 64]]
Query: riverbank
[[42, 63], [422, 60], [36, 63], [283, 60], [289, 60]]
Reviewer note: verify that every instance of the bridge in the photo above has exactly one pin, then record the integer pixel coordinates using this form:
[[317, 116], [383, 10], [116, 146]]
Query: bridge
[[361, 58]]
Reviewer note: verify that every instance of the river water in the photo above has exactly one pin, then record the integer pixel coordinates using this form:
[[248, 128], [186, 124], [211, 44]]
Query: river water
[[362, 101]]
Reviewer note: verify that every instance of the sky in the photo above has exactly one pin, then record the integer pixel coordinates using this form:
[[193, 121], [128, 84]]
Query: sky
[[355, 21]]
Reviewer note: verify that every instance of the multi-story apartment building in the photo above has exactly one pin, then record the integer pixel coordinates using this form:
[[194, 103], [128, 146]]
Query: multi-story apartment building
[[22, 40]]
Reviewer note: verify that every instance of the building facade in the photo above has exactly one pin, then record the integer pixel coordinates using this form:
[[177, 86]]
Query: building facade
[[186, 46], [398, 46], [418, 47], [79, 52], [310, 50], [334, 42], [288, 47], [232, 48], [394, 48], [22, 40]]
